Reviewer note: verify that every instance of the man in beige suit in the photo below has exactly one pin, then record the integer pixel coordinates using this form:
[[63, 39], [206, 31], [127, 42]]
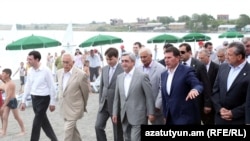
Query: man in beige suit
[[73, 96]]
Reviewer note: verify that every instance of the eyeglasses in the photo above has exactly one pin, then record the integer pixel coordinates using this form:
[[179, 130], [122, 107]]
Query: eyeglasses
[[182, 52]]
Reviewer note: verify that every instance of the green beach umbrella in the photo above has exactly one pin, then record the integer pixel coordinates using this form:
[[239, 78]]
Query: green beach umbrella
[[100, 40], [32, 42], [165, 38], [231, 34], [194, 37]]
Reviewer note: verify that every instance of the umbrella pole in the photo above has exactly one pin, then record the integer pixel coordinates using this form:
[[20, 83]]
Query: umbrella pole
[[102, 55]]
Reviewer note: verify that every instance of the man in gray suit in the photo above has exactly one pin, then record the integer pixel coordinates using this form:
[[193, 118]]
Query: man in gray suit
[[154, 70], [133, 99], [106, 96]]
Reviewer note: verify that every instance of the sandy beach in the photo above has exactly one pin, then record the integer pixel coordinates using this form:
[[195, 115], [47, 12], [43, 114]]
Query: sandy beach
[[86, 125]]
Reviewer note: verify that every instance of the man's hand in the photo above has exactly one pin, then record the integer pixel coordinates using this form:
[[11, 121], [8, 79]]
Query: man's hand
[[151, 118], [114, 119], [52, 108], [22, 106], [192, 94]]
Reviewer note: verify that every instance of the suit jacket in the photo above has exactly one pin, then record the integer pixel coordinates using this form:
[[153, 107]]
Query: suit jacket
[[139, 102], [201, 73], [162, 61], [174, 104], [155, 77], [212, 73], [248, 106], [73, 100], [233, 99], [107, 90]]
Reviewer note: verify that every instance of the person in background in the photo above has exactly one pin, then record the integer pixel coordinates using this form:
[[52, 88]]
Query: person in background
[[10, 103], [40, 85], [209, 47], [22, 72], [78, 59], [231, 87], [162, 61], [154, 70], [212, 70], [179, 88], [221, 56], [94, 65], [201, 45], [73, 89], [86, 70], [136, 47], [133, 100], [246, 42], [58, 62], [106, 96]]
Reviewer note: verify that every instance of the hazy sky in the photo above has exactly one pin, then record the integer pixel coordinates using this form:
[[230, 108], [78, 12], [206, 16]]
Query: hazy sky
[[86, 11]]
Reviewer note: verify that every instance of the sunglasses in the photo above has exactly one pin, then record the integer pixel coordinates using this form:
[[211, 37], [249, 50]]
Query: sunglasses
[[182, 52]]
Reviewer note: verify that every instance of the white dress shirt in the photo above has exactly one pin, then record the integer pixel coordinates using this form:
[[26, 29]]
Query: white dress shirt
[[65, 79], [170, 79], [40, 82], [127, 80]]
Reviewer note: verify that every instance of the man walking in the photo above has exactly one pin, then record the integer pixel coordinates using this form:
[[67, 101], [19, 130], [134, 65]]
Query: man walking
[[106, 96], [73, 95], [40, 85]]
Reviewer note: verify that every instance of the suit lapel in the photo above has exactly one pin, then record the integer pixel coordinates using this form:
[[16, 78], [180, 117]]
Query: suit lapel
[[153, 69], [243, 73], [72, 77], [132, 83], [117, 70], [106, 75], [164, 82]]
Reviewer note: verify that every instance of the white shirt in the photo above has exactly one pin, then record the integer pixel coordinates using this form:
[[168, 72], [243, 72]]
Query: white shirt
[[40, 82], [94, 61], [248, 58], [147, 69], [65, 79], [208, 65], [170, 79], [233, 73], [127, 80]]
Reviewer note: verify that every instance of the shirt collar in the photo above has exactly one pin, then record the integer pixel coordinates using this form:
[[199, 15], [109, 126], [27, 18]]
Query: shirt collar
[[240, 66], [70, 71], [131, 72], [149, 66]]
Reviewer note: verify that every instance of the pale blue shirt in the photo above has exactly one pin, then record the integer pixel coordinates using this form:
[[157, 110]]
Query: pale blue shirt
[[127, 80], [188, 62], [94, 61], [233, 73], [147, 69], [40, 82]]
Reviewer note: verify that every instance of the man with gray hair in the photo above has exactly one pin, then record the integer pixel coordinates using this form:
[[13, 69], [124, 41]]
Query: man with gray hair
[[133, 99], [154, 70], [246, 42], [221, 56]]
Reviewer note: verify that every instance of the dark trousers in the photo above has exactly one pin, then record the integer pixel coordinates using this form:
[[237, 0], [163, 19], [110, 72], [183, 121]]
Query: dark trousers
[[40, 106], [93, 72], [100, 125]]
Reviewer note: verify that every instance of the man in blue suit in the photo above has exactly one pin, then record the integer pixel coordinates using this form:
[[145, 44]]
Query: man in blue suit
[[179, 87]]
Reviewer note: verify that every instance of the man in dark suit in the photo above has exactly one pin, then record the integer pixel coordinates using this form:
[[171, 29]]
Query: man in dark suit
[[106, 96], [179, 88], [204, 99], [133, 99], [230, 87], [212, 70]]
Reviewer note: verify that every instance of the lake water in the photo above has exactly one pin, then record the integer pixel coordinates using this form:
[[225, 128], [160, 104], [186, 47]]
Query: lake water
[[11, 59]]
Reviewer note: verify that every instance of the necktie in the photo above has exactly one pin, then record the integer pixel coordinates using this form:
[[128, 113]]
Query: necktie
[[111, 72], [184, 63]]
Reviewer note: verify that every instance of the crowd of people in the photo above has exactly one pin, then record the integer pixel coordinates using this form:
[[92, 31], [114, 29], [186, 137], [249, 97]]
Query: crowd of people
[[186, 87]]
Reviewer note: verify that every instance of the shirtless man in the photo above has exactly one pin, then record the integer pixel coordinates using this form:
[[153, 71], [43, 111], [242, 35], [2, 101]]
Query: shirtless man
[[10, 103]]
